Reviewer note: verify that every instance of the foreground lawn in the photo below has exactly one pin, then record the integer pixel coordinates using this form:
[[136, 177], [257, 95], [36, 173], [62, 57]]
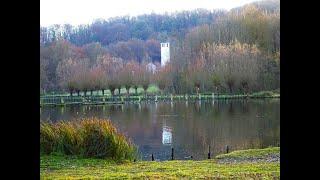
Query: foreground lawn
[[63, 167]]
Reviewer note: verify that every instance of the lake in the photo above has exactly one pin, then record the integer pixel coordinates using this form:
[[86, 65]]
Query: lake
[[188, 127]]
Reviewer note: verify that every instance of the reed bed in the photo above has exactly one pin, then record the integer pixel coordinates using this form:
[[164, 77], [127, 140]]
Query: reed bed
[[95, 138]]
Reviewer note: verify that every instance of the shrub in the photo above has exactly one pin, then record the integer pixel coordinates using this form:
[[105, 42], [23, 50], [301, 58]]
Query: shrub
[[95, 138]]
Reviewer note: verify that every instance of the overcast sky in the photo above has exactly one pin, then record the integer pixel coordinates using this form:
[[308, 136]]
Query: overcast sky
[[85, 11]]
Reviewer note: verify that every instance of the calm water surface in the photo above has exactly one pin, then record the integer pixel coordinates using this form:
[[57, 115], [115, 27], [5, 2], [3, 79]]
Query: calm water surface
[[187, 127]]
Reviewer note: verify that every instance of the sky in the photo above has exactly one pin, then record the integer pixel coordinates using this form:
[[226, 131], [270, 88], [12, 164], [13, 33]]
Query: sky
[[77, 12]]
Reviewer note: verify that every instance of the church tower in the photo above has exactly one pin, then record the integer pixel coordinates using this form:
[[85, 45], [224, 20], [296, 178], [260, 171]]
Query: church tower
[[165, 53]]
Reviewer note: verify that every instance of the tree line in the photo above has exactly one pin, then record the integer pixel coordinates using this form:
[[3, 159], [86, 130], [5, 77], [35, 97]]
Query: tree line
[[143, 27]]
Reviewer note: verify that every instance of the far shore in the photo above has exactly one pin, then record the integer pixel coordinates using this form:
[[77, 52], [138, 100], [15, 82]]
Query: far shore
[[97, 99]]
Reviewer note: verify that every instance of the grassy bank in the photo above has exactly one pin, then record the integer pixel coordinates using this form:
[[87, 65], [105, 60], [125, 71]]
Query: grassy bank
[[92, 138], [62, 100], [265, 94], [153, 90], [64, 167], [250, 153]]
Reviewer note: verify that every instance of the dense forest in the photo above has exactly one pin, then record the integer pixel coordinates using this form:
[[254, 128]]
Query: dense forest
[[236, 51]]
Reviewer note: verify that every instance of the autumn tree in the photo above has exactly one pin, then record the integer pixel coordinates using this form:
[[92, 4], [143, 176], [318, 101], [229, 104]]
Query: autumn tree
[[162, 78]]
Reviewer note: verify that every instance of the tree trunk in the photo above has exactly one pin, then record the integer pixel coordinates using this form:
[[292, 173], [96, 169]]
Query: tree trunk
[[230, 89], [71, 93], [91, 92], [85, 92], [102, 92], [128, 89], [78, 92]]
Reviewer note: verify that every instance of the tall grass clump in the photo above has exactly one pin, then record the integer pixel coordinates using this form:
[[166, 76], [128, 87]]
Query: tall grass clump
[[95, 138]]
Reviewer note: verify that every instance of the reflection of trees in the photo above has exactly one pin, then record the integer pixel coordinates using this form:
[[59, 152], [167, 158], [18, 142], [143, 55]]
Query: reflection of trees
[[231, 109], [220, 128]]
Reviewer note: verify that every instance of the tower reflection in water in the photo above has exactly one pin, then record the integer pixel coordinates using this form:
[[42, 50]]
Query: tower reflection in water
[[166, 135]]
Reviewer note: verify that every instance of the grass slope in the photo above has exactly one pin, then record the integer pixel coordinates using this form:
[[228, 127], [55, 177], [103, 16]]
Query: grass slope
[[250, 153], [68, 167]]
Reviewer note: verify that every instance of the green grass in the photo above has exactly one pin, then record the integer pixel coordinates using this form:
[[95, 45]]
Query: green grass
[[250, 153], [152, 89], [266, 94], [95, 138], [70, 167]]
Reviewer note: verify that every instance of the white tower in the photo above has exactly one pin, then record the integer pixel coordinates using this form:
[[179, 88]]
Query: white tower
[[165, 53]]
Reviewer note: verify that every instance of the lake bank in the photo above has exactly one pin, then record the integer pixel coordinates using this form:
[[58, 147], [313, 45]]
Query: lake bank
[[55, 166], [62, 100]]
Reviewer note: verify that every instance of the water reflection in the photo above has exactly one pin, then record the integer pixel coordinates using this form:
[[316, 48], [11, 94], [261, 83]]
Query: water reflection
[[166, 135], [62, 110], [240, 124]]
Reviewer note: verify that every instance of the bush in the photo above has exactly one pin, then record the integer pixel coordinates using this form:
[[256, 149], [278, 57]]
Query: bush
[[95, 138]]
